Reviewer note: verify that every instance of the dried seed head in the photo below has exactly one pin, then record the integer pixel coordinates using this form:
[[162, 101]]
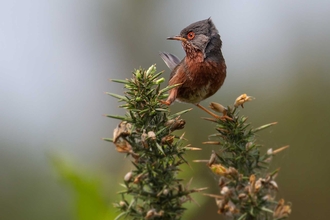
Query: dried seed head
[[138, 178], [258, 185], [242, 99], [218, 108], [220, 203], [252, 179], [175, 124], [183, 199], [225, 190], [168, 139], [128, 176], [165, 192], [178, 125], [171, 121], [144, 137], [240, 177], [282, 210], [232, 209], [273, 184], [123, 129], [122, 146], [212, 158], [122, 204], [242, 196], [252, 184], [223, 206], [270, 151], [232, 172], [150, 214], [152, 135], [248, 145], [222, 182]]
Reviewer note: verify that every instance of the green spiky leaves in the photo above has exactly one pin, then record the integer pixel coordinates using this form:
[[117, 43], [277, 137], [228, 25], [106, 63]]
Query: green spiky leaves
[[151, 189], [245, 191]]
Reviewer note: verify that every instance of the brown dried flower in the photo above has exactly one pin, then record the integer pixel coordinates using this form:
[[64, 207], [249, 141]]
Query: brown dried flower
[[168, 139], [122, 130], [219, 169], [122, 146], [282, 210], [242, 99], [175, 124]]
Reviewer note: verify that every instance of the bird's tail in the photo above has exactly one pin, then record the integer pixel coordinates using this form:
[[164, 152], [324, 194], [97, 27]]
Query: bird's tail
[[170, 60]]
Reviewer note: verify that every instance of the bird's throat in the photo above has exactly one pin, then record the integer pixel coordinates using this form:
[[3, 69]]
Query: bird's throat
[[192, 54]]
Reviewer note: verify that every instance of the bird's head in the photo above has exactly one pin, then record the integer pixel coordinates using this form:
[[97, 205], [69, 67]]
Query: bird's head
[[201, 35]]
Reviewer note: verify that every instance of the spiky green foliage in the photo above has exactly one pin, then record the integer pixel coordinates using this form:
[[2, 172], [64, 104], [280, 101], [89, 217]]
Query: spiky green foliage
[[246, 192], [238, 144], [152, 189]]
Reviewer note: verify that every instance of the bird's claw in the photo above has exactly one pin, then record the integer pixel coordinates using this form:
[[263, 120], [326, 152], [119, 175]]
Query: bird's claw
[[165, 102], [225, 117]]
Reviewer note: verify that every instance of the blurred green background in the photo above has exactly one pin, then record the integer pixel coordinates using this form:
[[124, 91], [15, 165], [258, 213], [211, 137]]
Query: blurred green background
[[55, 61]]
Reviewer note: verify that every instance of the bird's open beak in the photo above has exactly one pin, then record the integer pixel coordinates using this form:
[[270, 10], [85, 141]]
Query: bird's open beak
[[177, 38]]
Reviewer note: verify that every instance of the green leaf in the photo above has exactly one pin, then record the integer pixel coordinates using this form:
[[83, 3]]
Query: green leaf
[[242, 216], [120, 97], [161, 130], [160, 148], [263, 127], [151, 70], [123, 118], [161, 110], [267, 210], [120, 215], [168, 88], [120, 81], [179, 113], [108, 139], [156, 75]]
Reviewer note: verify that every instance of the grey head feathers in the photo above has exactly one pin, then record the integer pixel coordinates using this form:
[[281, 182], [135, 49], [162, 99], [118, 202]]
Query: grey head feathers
[[206, 36]]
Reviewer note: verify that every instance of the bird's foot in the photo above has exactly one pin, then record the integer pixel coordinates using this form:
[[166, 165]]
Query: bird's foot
[[225, 117], [165, 102]]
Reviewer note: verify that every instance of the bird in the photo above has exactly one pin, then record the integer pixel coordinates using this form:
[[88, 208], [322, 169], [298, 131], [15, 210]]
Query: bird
[[202, 72]]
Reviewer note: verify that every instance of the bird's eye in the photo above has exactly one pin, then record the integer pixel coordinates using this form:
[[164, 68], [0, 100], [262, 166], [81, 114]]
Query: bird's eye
[[191, 35]]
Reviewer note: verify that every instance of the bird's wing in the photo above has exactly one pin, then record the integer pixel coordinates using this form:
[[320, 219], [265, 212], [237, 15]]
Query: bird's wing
[[170, 60]]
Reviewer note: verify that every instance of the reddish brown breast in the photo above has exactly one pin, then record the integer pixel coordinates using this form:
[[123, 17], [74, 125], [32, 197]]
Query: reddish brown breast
[[200, 78]]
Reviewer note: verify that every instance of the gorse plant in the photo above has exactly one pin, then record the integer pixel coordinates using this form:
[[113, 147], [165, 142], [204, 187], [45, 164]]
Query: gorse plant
[[245, 191], [152, 189]]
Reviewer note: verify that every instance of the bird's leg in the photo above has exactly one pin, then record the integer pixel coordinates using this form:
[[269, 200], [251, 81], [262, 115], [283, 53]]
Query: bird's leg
[[212, 114], [171, 97], [208, 111]]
